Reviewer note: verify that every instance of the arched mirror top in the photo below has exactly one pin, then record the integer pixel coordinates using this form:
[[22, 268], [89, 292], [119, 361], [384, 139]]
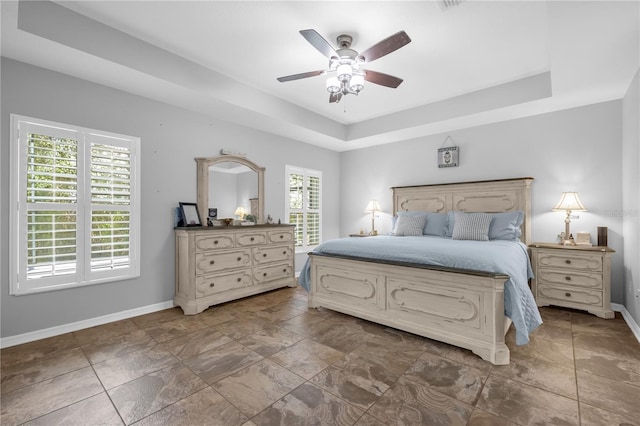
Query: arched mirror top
[[206, 167]]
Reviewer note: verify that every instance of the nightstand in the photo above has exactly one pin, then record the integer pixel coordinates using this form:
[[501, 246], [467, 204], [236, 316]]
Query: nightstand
[[576, 277]]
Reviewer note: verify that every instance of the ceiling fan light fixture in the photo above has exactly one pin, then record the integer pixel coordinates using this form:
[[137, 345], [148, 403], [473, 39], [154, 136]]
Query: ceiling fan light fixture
[[344, 72], [333, 85]]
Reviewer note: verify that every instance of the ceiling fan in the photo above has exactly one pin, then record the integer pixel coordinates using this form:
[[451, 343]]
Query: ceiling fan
[[345, 73]]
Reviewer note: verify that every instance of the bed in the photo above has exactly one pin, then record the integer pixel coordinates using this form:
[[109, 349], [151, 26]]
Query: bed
[[461, 303]]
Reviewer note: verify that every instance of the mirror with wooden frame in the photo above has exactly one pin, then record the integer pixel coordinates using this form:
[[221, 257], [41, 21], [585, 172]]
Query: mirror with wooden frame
[[227, 182]]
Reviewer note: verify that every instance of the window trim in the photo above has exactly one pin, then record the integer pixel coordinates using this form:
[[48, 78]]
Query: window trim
[[306, 172], [19, 285]]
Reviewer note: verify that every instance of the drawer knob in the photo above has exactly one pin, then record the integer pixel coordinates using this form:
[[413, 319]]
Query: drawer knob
[[212, 284], [239, 259], [215, 242], [567, 294], [281, 236], [239, 279], [264, 255], [211, 262], [568, 262], [568, 278], [252, 238], [284, 252], [284, 270], [264, 275]]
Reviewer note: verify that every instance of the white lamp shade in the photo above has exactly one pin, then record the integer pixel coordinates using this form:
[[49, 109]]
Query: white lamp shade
[[333, 85], [344, 72], [569, 201], [372, 206], [240, 211], [357, 82]]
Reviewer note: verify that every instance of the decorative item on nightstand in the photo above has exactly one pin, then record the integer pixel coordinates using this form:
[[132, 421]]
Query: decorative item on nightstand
[[569, 202], [373, 207]]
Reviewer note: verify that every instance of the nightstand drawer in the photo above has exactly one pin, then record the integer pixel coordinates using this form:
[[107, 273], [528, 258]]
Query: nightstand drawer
[[566, 260], [570, 278], [570, 297], [212, 284], [212, 242]]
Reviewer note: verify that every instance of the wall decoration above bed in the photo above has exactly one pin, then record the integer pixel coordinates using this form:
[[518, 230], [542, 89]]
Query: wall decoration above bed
[[448, 156]]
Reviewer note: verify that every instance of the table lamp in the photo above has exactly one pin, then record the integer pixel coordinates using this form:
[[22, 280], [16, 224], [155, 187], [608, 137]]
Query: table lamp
[[569, 202], [373, 207]]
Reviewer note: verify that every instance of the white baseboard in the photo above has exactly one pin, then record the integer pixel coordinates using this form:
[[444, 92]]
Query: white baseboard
[[75, 326], [635, 329]]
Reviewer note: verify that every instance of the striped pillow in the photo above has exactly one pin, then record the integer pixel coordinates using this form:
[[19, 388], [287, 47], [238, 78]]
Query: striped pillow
[[471, 226], [410, 226]]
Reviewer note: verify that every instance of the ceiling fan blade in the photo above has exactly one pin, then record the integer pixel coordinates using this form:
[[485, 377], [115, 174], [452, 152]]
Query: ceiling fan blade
[[382, 79], [386, 46], [335, 97], [299, 76], [319, 43]]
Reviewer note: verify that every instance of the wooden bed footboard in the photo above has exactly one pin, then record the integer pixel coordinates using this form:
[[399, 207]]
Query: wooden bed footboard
[[462, 308]]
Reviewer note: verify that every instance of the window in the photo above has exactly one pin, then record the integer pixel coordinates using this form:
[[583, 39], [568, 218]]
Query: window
[[75, 207], [303, 198]]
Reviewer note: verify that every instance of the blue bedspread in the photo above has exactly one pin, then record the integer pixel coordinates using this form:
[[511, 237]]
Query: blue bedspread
[[497, 256]]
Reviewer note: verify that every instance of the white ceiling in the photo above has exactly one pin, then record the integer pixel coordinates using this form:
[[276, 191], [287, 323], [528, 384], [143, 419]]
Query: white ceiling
[[476, 63]]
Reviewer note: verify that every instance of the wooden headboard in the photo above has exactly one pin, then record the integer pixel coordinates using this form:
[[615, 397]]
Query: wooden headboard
[[491, 196]]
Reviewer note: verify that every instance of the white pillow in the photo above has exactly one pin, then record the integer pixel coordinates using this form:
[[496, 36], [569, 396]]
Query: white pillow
[[410, 225], [471, 226]]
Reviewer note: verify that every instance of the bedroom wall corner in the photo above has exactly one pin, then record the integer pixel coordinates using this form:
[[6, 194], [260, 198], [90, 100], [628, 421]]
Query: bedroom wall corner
[[631, 197]]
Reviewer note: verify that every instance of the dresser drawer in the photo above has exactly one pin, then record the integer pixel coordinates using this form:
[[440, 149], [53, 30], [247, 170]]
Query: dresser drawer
[[285, 236], [211, 284], [570, 297], [267, 274], [565, 260], [270, 254], [212, 242], [247, 239], [570, 278], [218, 261]]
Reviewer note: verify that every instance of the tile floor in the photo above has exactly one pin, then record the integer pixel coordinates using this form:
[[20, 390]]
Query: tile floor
[[269, 360]]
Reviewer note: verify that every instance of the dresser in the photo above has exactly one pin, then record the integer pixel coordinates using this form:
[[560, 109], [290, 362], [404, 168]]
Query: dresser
[[576, 277], [218, 264]]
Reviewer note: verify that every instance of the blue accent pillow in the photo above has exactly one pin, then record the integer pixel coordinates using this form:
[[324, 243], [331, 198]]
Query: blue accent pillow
[[504, 226], [436, 222]]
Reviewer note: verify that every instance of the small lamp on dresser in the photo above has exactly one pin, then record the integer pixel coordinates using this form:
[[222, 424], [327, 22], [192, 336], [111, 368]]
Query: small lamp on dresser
[[569, 202], [373, 207], [240, 212]]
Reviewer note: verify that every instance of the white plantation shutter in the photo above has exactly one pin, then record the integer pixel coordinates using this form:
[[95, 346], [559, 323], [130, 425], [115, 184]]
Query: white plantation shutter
[[303, 207], [76, 215]]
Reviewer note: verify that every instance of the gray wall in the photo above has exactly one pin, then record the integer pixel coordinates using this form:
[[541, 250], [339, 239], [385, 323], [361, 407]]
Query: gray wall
[[631, 197], [572, 150], [171, 138]]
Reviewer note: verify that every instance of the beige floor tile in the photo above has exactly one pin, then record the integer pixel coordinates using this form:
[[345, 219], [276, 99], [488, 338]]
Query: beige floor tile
[[409, 403], [176, 328], [206, 407], [118, 346], [270, 340], [610, 395], [154, 318], [309, 405], [195, 343], [116, 371], [33, 401], [524, 404], [24, 374], [482, 418], [593, 416], [147, 394], [604, 363], [455, 379], [31, 351], [218, 363], [307, 358], [97, 407], [256, 387], [103, 332]]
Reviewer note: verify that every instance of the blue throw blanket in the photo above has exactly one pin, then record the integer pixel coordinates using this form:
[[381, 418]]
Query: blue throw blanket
[[497, 256]]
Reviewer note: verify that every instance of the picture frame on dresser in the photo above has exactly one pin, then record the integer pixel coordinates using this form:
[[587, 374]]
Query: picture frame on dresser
[[190, 214]]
